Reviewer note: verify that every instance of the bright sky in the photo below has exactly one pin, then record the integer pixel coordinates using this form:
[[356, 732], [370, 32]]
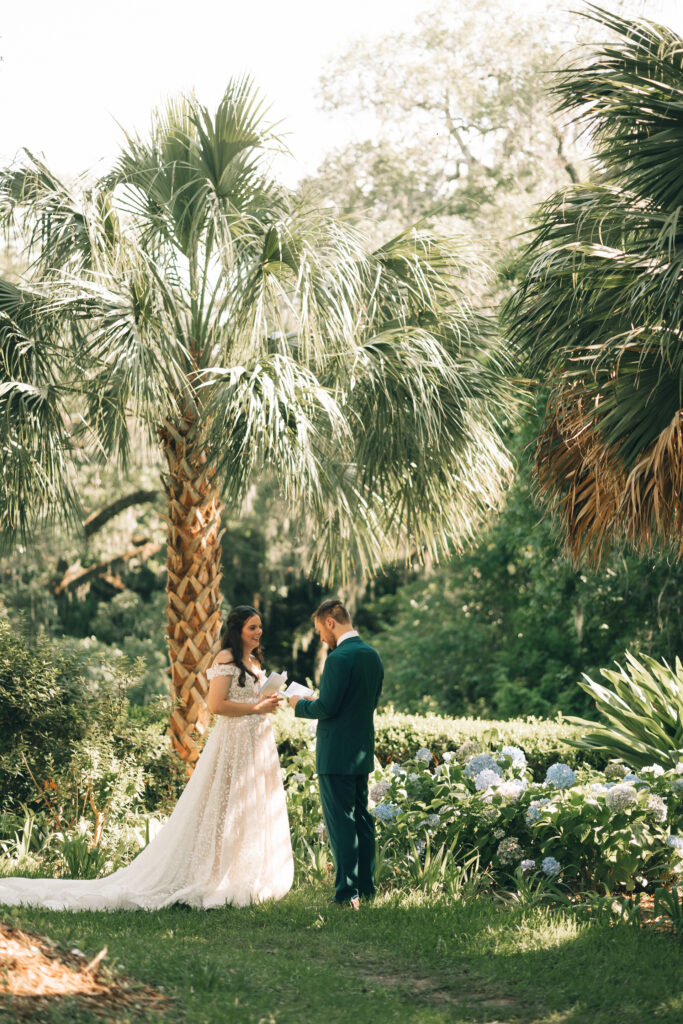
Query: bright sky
[[70, 70]]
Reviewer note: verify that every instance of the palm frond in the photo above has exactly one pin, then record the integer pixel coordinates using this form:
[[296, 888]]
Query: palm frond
[[35, 440], [598, 316]]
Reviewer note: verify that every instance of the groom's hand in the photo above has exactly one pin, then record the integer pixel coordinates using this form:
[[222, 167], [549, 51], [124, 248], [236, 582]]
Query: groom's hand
[[293, 700]]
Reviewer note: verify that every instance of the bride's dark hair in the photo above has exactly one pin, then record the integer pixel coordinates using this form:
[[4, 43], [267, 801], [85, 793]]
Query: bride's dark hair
[[231, 639]]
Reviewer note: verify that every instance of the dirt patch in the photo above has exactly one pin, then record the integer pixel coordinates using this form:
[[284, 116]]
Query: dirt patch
[[424, 987], [35, 973]]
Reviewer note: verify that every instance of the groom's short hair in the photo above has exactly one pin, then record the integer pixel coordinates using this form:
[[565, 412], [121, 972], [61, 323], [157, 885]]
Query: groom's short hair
[[332, 608]]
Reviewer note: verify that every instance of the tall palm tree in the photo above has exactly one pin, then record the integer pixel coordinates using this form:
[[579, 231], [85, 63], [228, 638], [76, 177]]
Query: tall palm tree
[[253, 334], [599, 312]]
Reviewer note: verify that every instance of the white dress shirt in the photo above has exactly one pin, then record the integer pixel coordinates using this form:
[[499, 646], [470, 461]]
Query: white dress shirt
[[347, 636]]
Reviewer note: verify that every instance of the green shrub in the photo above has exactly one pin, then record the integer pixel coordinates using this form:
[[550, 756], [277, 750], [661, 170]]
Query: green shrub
[[72, 743], [45, 711], [398, 736]]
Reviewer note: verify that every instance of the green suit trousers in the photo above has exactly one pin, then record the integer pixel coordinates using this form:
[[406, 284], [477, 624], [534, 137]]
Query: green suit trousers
[[351, 830]]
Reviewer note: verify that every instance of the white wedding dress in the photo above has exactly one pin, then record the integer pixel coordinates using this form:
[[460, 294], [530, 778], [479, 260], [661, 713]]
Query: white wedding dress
[[227, 840]]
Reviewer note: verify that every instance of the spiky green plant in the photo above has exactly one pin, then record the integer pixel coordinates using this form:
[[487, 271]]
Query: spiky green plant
[[643, 712]]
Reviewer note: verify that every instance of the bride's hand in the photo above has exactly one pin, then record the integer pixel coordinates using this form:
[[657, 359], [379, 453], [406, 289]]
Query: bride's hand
[[267, 705]]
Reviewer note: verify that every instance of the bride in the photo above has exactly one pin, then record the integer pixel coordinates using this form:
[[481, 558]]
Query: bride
[[227, 840]]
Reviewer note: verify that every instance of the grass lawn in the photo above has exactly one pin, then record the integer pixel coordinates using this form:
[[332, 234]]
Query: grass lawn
[[301, 961]]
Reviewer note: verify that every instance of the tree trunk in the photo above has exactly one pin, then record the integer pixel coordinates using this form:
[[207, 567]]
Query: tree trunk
[[194, 575]]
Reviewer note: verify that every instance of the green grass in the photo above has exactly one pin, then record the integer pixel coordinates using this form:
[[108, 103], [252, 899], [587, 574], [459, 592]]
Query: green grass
[[302, 961]]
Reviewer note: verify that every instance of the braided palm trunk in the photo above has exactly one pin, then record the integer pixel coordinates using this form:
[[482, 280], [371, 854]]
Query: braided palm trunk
[[194, 574]]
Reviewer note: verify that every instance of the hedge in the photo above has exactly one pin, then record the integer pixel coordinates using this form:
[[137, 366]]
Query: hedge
[[398, 736]]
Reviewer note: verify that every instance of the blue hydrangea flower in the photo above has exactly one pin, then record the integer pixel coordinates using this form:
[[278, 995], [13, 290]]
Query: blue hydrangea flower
[[632, 778], [550, 866], [379, 790], [479, 763], [486, 778], [533, 812], [516, 754], [560, 775], [424, 755], [675, 842], [527, 865], [386, 812], [434, 820]]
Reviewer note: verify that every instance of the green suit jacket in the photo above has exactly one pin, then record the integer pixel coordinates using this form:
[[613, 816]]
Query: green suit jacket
[[349, 690]]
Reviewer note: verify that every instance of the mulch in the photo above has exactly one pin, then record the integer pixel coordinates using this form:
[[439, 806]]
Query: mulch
[[35, 973]]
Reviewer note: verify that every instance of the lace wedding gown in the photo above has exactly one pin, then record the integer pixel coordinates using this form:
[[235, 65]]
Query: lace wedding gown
[[227, 840]]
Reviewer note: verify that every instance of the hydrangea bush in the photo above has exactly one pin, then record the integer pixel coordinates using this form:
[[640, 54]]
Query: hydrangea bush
[[578, 826]]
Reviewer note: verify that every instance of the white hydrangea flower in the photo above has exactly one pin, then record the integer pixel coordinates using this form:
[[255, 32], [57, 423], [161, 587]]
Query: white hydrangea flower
[[448, 756], [654, 769], [516, 754], [620, 797], [485, 779], [657, 807], [527, 865], [509, 851], [424, 755], [512, 789]]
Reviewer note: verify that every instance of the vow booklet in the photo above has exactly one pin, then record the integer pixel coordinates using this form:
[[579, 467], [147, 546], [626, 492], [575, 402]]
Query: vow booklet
[[297, 690], [274, 683]]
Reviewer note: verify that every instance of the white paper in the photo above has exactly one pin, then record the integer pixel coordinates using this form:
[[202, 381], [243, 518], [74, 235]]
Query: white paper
[[297, 690], [274, 683]]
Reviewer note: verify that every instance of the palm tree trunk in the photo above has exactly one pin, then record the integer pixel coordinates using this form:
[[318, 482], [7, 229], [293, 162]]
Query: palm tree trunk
[[194, 575]]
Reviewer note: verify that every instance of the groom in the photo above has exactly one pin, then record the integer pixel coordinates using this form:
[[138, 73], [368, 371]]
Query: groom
[[349, 690]]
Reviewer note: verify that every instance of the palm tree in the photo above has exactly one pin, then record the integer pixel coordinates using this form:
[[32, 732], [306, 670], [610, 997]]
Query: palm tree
[[599, 312], [255, 336]]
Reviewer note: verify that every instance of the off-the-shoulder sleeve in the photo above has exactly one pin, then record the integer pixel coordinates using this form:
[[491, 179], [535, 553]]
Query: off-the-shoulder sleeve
[[223, 668]]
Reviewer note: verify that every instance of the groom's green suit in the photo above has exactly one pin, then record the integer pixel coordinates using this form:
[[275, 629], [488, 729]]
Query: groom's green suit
[[349, 690]]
